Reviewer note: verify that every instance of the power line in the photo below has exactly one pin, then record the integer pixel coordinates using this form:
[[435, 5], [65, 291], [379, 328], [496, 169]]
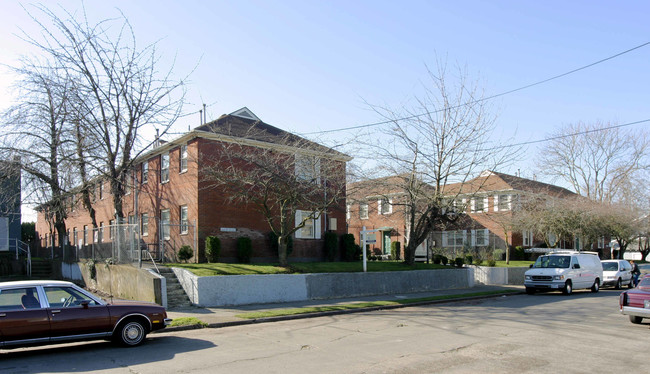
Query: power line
[[485, 98], [567, 135]]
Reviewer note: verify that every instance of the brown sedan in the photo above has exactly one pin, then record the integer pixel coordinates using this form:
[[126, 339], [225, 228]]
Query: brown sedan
[[48, 312]]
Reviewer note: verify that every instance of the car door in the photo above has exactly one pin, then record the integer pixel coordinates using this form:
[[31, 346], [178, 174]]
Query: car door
[[580, 276], [72, 314], [22, 324]]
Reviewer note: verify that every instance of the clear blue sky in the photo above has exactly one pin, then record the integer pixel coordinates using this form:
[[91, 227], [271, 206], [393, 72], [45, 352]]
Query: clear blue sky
[[306, 66]]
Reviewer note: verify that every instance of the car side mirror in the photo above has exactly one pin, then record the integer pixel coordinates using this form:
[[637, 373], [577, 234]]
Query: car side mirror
[[576, 266], [530, 266], [84, 303]]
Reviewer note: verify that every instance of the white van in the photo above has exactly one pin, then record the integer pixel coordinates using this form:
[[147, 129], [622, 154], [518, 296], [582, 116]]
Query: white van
[[617, 273], [565, 271]]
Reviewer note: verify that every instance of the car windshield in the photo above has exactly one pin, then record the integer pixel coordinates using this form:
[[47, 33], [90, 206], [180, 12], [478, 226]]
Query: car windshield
[[645, 282], [553, 262], [610, 266]]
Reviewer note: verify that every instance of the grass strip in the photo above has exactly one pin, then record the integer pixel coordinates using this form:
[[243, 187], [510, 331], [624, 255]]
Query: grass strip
[[187, 321], [369, 304]]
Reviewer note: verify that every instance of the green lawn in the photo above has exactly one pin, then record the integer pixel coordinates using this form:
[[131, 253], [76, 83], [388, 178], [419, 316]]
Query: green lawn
[[315, 267]]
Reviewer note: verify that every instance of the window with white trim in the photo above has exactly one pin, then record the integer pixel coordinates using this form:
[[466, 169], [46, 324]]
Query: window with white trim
[[527, 238], [164, 223], [145, 172], [184, 221], [363, 211], [183, 159], [100, 237], [385, 206], [502, 203], [479, 204], [85, 234], [480, 238], [111, 229], [307, 168], [144, 222], [164, 168], [453, 238], [311, 228], [348, 207]]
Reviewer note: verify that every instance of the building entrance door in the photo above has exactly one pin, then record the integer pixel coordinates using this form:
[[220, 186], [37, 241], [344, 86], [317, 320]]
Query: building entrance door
[[386, 242]]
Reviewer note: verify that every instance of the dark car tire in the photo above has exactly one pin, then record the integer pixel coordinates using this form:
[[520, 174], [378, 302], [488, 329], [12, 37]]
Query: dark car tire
[[636, 319], [130, 333], [530, 290], [618, 284], [596, 286], [568, 288]]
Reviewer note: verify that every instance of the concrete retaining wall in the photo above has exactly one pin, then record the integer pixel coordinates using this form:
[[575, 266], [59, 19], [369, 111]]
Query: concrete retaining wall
[[496, 276], [121, 281], [253, 289]]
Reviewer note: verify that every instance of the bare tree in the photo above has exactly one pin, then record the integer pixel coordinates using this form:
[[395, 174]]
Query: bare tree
[[278, 174], [116, 90], [599, 161], [443, 139], [37, 140]]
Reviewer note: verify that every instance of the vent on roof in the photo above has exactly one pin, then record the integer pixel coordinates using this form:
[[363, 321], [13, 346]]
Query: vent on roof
[[245, 113]]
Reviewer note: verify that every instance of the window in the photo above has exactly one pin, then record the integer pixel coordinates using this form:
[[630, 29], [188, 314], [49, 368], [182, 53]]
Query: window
[[363, 211], [111, 229], [100, 236], [311, 228], [502, 203], [145, 172], [333, 224], [66, 297], [75, 235], [85, 234], [385, 206], [19, 299], [527, 238], [145, 224], [479, 205], [164, 223], [480, 238], [184, 222], [183, 159], [347, 211], [453, 238], [101, 190], [131, 219], [164, 168], [307, 168]]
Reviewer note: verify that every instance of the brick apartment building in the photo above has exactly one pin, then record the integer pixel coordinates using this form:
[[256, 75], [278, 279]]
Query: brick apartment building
[[173, 205], [9, 206], [488, 200]]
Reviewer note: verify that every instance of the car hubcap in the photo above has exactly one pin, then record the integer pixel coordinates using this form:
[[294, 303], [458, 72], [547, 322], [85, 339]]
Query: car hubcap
[[133, 333]]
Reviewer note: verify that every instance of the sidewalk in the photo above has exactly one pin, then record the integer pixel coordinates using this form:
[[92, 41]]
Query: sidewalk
[[227, 316]]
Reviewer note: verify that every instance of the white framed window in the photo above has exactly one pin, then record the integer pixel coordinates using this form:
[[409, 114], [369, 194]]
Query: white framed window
[[333, 224], [100, 237], [164, 224], [183, 159], [385, 206], [480, 238], [144, 224], [85, 234], [601, 242], [502, 203], [111, 229], [311, 228], [363, 211], [479, 204], [347, 211], [527, 238], [145, 172], [164, 168], [454, 238], [101, 190], [184, 221], [307, 168]]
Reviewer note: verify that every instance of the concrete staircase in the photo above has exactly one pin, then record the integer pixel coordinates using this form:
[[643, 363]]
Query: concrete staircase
[[176, 296], [41, 269]]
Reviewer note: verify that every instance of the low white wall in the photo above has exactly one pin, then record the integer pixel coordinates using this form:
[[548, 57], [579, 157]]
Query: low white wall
[[259, 289], [499, 276]]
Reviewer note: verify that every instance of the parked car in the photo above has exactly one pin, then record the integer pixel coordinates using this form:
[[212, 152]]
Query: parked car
[[564, 270], [48, 312], [635, 303], [617, 273]]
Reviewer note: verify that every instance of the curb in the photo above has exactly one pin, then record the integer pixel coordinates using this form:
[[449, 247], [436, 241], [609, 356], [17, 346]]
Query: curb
[[329, 313]]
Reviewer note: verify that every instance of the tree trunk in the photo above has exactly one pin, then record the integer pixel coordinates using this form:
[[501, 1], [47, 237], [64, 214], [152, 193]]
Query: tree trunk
[[409, 253], [282, 251]]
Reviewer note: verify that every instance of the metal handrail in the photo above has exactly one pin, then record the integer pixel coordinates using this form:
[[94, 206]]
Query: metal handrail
[[152, 260], [24, 247]]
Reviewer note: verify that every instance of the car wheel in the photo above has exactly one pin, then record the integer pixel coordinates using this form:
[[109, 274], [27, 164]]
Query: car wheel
[[568, 288], [596, 286], [131, 333], [618, 284], [636, 319], [530, 290]]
